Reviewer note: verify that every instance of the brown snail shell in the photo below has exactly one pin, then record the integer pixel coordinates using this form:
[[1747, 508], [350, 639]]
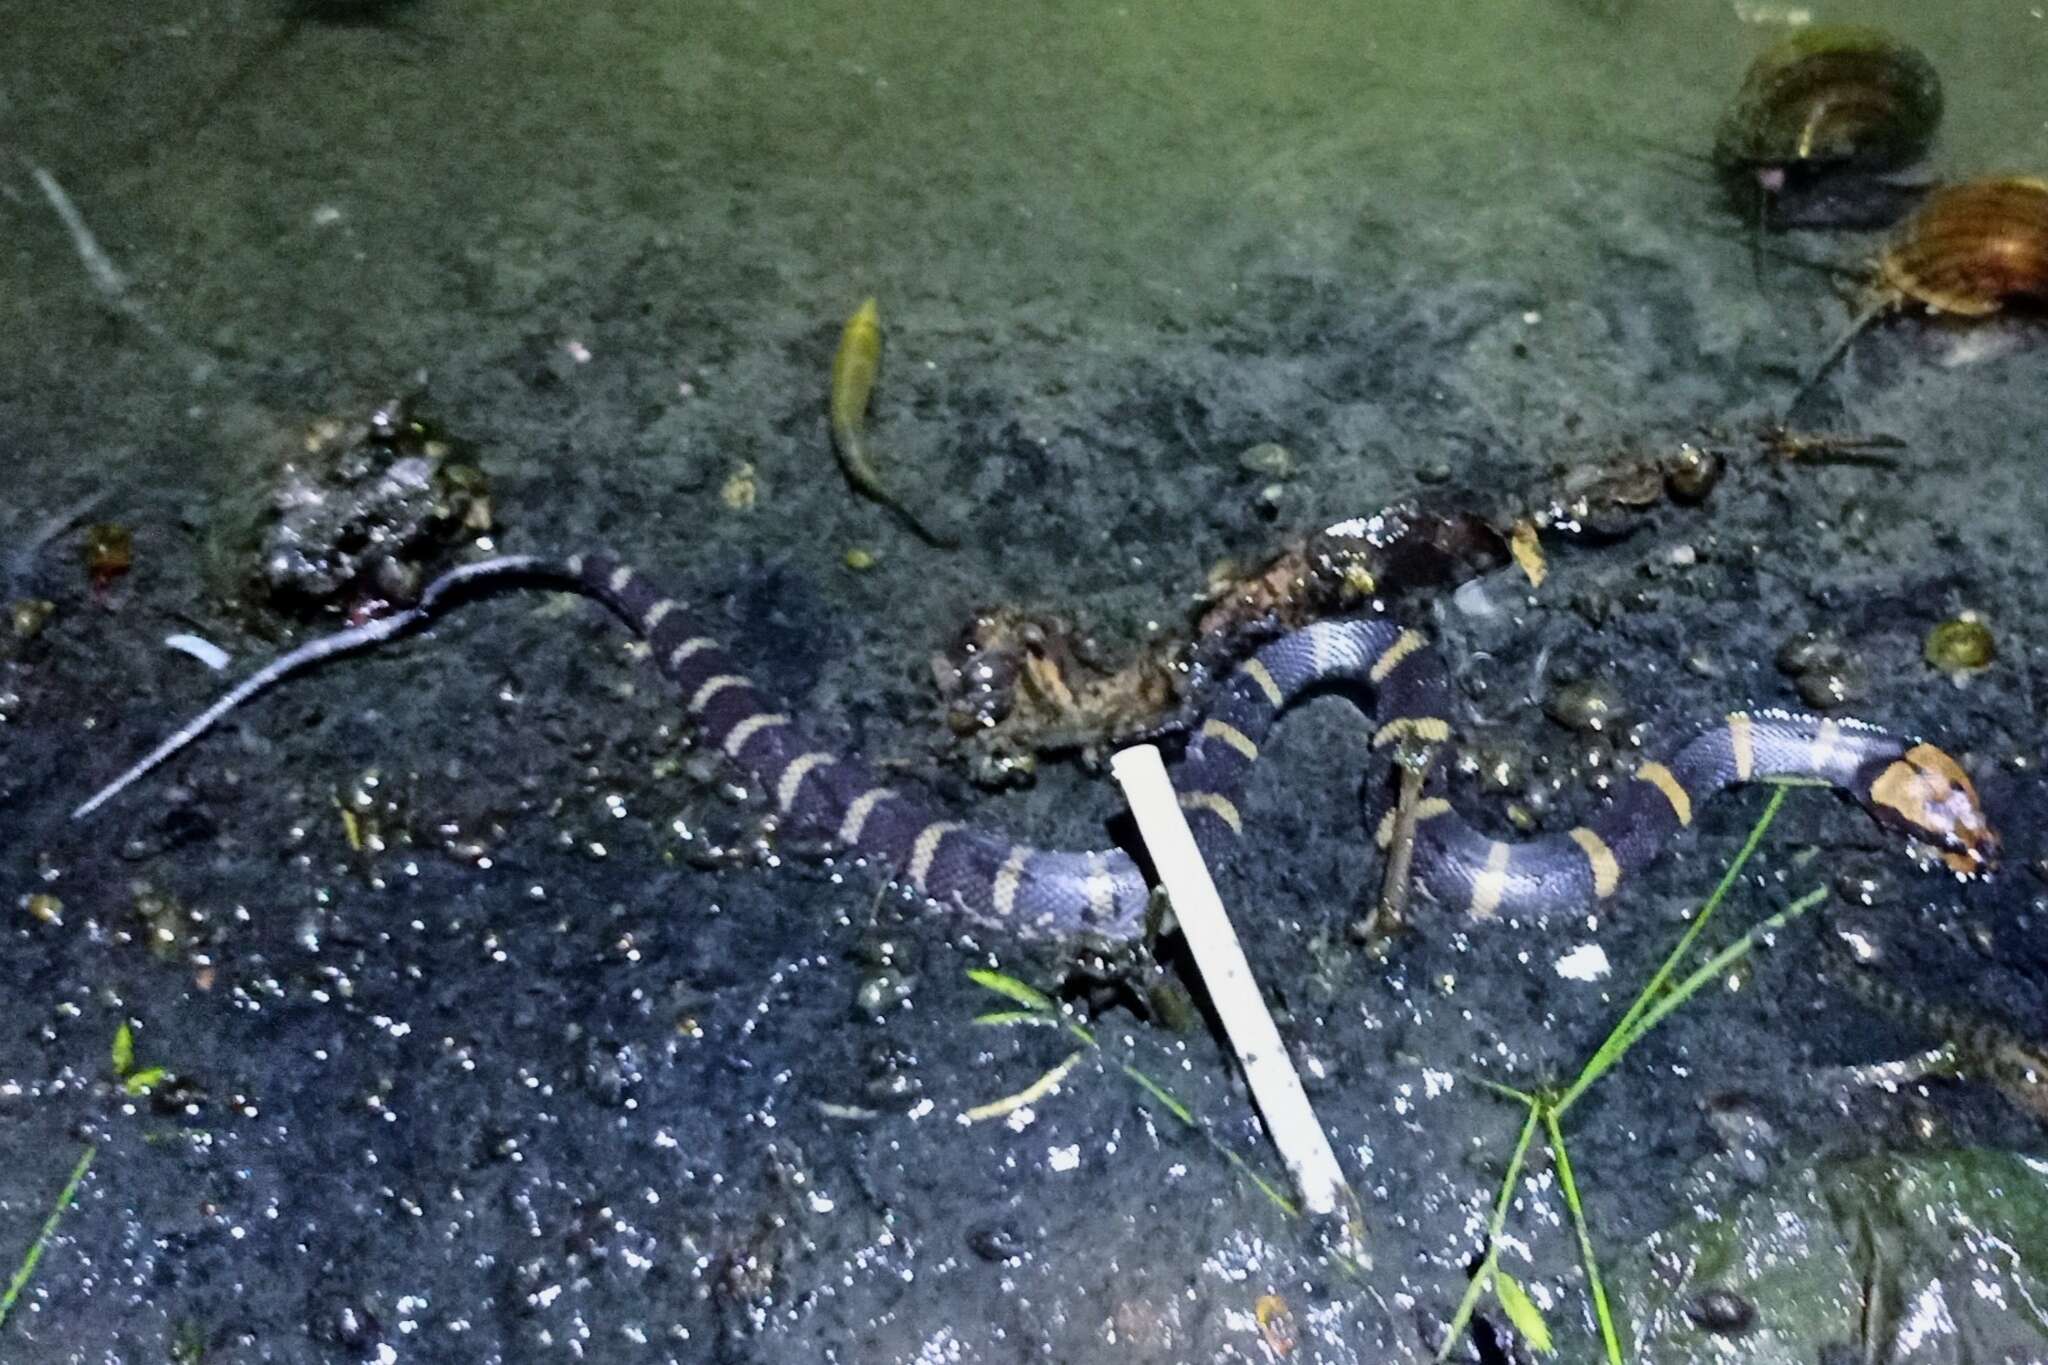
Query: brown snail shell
[[1971, 250], [1821, 118]]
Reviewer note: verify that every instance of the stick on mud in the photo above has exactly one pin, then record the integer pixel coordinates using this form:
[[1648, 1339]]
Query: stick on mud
[[1228, 978]]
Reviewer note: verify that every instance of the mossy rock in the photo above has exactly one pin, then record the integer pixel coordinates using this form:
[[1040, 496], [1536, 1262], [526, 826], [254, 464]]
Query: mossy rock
[[1940, 1258]]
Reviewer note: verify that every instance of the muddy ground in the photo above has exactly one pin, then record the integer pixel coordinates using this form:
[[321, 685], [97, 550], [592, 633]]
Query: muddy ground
[[523, 1079]]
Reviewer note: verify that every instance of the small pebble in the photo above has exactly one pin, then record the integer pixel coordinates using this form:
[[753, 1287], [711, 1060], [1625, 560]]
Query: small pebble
[[1592, 707], [998, 1242], [893, 1089], [1002, 769], [1823, 670], [859, 560], [1500, 767], [1635, 488], [1961, 645], [1269, 459], [30, 615], [1721, 1311], [109, 552], [1808, 650], [1692, 473], [741, 490], [1863, 885], [1826, 689], [882, 992]]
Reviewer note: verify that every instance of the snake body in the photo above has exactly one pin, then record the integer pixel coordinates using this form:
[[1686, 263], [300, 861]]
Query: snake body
[[1040, 892], [1913, 788]]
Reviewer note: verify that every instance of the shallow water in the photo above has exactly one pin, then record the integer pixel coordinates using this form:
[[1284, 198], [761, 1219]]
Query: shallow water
[[583, 1101]]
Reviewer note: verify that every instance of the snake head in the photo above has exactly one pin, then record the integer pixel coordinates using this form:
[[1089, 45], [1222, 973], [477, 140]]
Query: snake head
[[1926, 794]]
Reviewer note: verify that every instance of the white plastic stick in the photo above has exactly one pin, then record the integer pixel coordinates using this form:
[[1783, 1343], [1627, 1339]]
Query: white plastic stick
[[1199, 909]]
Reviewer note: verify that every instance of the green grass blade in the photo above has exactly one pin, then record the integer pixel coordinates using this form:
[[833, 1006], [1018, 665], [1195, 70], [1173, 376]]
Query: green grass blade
[[1160, 1093], [1265, 1186], [1005, 1018], [1506, 1092], [1187, 1117], [1083, 1032], [1657, 999], [1040, 1008], [1009, 987], [1721, 961], [1483, 1277], [27, 1268], [143, 1081], [1750, 845], [1608, 1336], [1627, 1029]]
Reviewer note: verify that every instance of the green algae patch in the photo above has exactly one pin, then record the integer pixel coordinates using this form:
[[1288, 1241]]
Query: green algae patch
[[1909, 1259]]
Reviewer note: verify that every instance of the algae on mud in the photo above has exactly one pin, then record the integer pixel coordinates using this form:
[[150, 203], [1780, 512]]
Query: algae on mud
[[1909, 1258]]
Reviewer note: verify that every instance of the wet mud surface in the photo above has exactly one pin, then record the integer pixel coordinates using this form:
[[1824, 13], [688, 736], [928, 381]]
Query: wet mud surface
[[498, 1027]]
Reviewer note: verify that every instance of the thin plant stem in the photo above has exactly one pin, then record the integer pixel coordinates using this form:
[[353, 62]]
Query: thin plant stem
[[1721, 961], [1039, 1006], [1657, 999], [1506, 1092], [1601, 1312], [1484, 1275], [1713, 902], [27, 1269], [1618, 1038]]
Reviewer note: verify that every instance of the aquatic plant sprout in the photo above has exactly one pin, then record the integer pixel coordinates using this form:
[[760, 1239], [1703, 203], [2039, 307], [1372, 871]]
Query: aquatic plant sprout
[[1657, 999], [1039, 1008]]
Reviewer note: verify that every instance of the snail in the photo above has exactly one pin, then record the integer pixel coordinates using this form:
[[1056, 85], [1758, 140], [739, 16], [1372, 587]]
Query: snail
[[1823, 123], [1971, 250]]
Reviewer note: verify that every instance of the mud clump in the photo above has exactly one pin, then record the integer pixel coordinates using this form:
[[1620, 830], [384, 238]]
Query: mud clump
[[367, 512]]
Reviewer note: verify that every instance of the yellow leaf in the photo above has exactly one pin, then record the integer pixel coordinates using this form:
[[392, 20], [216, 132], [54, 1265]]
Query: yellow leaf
[[124, 1050], [1522, 1312], [1528, 551], [1030, 1094]]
